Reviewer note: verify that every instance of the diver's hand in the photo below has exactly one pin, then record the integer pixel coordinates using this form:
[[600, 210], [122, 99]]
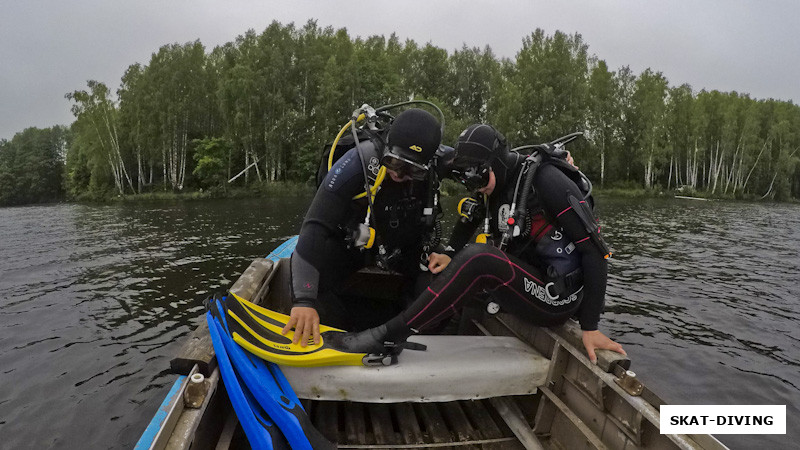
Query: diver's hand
[[571, 160], [305, 321], [437, 262], [594, 340]]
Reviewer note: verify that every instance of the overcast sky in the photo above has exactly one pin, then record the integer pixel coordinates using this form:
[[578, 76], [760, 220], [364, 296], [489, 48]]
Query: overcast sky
[[51, 47]]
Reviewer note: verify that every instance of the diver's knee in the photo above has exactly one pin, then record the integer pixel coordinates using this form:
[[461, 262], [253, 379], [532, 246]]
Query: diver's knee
[[475, 250], [477, 259]]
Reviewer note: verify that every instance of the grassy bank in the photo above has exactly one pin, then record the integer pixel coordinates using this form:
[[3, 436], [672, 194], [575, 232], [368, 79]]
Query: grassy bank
[[449, 188], [672, 193], [254, 190], [452, 189]]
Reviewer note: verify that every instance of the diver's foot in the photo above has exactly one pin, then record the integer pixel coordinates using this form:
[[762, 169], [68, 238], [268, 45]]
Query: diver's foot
[[372, 340], [379, 348]]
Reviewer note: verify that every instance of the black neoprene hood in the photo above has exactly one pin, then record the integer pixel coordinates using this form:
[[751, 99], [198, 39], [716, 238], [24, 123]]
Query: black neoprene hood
[[481, 144], [478, 144], [415, 135]]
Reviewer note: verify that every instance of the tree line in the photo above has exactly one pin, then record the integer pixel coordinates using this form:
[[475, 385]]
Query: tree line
[[32, 166], [269, 101]]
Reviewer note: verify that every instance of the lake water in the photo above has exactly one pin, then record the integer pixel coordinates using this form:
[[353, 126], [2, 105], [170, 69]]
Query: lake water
[[705, 297]]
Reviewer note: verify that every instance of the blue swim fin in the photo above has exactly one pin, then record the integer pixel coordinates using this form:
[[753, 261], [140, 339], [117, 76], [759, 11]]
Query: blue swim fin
[[271, 389], [260, 430]]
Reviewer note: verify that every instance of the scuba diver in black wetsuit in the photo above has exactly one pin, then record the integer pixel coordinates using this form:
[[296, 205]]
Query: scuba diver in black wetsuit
[[540, 255], [398, 233]]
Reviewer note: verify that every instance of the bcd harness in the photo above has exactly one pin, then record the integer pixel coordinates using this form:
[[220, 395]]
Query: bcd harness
[[553, 153], [526, 218]]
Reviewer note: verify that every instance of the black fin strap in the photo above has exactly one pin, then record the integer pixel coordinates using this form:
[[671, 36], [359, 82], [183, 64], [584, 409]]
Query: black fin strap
[[413, 346]]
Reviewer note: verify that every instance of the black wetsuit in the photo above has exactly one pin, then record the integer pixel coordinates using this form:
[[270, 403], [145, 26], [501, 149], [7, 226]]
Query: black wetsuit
[[322, 261], [518, 278]]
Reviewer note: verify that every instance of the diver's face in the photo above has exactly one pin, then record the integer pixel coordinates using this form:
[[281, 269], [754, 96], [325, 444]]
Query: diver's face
[[489, 188], [397, 177]]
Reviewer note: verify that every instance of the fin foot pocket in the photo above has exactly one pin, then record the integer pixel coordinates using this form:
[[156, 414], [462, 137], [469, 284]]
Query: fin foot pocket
[[379, 349]]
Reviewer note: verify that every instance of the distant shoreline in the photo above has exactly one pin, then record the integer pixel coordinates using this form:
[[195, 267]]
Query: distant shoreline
[[286, 189]]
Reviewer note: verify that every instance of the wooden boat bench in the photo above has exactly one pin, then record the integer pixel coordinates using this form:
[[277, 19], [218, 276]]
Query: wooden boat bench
[[452, 368]]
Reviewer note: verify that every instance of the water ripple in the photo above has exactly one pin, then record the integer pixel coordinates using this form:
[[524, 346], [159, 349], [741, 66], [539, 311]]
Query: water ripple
[[709, 290], [95, 301]]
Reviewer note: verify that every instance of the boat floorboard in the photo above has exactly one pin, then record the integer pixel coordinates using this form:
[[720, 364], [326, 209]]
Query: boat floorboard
[[464, 424]]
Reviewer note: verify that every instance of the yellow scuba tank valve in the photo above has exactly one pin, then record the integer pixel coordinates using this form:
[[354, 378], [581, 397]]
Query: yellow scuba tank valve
[[352, 123], [482, 238]]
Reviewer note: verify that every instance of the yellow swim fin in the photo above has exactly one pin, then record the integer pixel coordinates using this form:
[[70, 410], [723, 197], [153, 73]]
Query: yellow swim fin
[[258, 330]]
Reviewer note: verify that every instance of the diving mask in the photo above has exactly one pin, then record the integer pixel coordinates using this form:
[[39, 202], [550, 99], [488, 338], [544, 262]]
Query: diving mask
[[473, 177], [404, 167]]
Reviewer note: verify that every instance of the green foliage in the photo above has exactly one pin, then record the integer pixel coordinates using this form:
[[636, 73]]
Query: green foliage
[[648, 108], [269, 101], [545, 94], [31, 166], [451, 188], [96, 138], [210, 156]]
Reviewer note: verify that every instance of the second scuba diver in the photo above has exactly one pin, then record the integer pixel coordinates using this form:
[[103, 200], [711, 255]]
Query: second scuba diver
[[336, 240], [544, 258]]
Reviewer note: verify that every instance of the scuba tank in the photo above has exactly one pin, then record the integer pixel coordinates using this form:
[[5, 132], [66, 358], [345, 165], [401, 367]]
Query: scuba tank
[[541, 152], [373, 129], [551, 247]]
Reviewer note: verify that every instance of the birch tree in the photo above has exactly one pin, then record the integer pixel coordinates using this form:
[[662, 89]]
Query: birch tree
[[98, 113], [604, 113], [649, 107]]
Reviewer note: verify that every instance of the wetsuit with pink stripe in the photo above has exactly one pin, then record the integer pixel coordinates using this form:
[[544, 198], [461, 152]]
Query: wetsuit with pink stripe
[[518, 278]]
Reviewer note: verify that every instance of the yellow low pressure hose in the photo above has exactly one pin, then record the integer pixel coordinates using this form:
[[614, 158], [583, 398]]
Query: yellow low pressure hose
[[374, 189], [339, 136], [378, 180]]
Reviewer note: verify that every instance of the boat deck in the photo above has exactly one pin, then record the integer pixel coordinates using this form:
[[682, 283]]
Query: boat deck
[[578, 406], [465, 424]]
